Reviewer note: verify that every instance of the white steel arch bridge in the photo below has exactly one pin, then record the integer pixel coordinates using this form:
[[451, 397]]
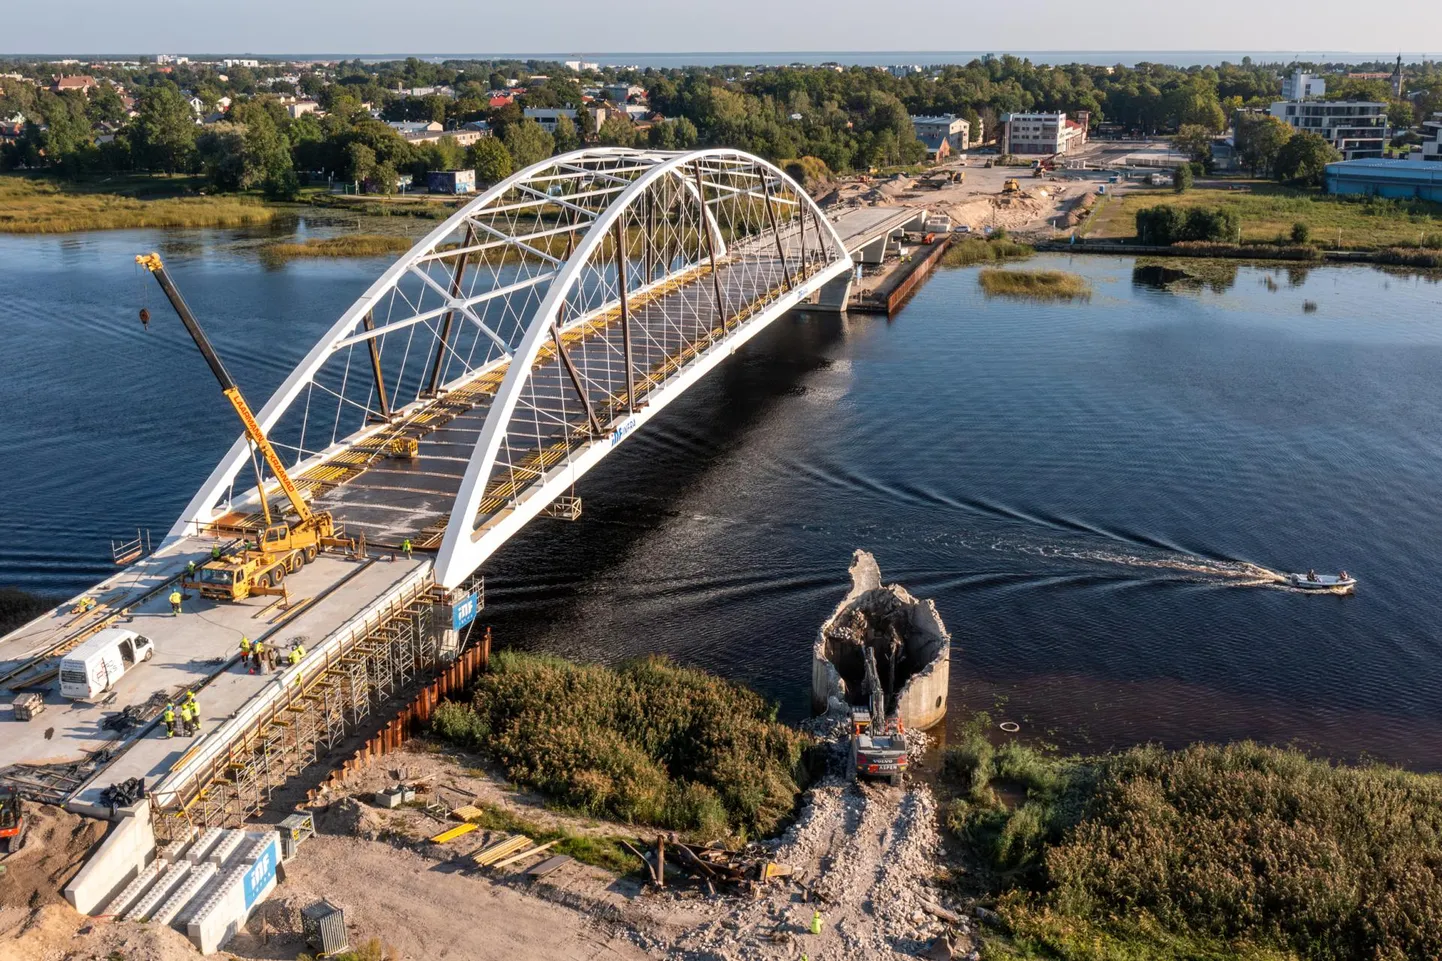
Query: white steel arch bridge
[[525, 337]]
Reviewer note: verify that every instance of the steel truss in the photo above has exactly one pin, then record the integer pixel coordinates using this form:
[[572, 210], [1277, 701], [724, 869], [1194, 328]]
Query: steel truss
[[520, 339]]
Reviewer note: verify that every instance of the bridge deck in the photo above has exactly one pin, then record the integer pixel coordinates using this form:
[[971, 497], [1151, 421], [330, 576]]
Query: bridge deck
[[391, 498]]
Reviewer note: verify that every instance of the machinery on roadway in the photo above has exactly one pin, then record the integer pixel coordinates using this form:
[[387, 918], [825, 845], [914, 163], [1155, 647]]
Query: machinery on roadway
[[280, 548], [12, 821], [878, 744]]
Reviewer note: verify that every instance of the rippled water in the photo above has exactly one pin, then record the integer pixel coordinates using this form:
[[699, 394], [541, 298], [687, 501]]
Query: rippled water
[[1093, 493]]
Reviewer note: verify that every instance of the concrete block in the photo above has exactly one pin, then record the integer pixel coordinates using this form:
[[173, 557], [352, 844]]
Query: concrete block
[[119, 859], [136, 889], [183, 894], [230, 903], [171, 879], [203, 845], [176, 849], [227, 846]]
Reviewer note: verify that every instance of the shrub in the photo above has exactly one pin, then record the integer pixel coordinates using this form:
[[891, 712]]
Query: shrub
[[1301, 233], [647, 742], [808, 171], [461, 725], [1231, 851], [1164, 224], [975, 250], [1182, 179]]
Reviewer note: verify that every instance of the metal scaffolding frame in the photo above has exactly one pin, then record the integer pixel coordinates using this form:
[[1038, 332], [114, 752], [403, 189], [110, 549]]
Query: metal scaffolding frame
[[311, 718]]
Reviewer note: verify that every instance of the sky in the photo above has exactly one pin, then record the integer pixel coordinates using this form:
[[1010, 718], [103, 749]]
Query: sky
[[582, 27]]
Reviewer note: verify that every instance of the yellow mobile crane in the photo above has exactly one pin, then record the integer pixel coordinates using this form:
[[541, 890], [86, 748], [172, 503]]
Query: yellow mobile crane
[[281, 547]]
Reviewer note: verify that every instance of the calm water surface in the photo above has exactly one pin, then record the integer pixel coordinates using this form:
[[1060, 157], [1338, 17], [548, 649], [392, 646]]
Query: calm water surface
[[1080, 487]]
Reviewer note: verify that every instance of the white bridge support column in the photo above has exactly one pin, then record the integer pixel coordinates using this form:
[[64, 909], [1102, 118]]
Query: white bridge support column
[[834, 295]]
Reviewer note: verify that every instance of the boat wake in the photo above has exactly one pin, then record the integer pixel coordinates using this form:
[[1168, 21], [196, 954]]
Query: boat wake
[[1184, 566]]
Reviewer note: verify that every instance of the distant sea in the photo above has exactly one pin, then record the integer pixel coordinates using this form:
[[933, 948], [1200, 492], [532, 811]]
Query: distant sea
[[865, 58]]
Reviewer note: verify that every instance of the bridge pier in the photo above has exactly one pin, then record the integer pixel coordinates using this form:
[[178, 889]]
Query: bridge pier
[[834, 294]]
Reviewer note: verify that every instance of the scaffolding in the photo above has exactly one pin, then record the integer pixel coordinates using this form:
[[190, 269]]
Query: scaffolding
[[310, 718]]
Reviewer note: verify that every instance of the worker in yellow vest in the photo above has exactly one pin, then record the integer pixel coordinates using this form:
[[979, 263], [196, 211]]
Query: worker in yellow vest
[[406, 548], [191, 703], [294, 656], [215, 552], [245, 653], [815, 922], [175, 599], [169, 718], [257, 656], [187, 720]]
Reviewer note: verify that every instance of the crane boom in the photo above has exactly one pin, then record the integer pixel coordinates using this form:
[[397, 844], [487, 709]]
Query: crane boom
[[151, 262]]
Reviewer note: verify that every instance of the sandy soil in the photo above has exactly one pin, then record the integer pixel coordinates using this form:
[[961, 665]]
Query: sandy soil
[[867, 857]]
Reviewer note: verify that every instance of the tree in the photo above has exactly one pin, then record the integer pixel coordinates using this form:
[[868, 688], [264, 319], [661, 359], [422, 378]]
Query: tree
[[360, 161], [1259, 139], [383, 178], [164, 131], [1301, 233], [267, 158], [1182, 179], [1303, 159], [616, 132], [67, 139], [491, 160], [1195, 141], [528, 143], [687, 136], [565, 135], [220, 148]]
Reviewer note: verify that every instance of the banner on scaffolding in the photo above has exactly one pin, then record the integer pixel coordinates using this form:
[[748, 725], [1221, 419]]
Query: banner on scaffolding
[[464, 611]]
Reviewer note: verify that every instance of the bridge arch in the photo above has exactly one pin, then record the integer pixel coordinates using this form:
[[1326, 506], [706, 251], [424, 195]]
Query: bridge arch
[[524, 337]]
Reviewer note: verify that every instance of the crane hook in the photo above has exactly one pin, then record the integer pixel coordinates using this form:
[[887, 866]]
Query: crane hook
[[145, 319]]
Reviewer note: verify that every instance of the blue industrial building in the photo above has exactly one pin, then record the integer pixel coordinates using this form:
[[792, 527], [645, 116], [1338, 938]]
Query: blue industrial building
[[1400, 179]]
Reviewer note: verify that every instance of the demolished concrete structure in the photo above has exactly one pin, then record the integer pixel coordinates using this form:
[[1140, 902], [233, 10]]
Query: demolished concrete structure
[[912, 648]]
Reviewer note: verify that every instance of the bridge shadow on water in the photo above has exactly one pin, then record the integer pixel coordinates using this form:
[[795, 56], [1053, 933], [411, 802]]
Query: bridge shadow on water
[[544, 586]]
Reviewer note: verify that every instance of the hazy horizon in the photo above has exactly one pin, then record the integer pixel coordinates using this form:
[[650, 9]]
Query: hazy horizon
[[369, 28]]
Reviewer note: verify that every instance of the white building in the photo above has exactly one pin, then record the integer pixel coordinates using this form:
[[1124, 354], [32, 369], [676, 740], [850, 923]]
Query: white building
[[1358, 128], [547, 116], [932, 130], [582, 66], [1042, 133], [301, 107], [241, 63], [1432, 138], [164, 58], [1301, 86]]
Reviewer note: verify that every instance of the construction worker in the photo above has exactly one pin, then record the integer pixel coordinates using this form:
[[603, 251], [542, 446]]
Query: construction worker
[[191, 703], [406, 548], [258, 656], [299, 647], [245, 653], [175, 599], [294, 656], [215, 552], [169, 718], [816, 922], [190, 569], [185, 719]]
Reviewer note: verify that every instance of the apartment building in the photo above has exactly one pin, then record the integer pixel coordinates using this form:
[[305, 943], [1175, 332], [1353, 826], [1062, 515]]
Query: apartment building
[[1302, 85], [1432, 138], [1042, 133], [942, 135], [1358, 128]]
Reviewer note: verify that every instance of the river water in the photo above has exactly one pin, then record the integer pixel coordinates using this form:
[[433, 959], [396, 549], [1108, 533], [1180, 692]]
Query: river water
[[1091, 492]]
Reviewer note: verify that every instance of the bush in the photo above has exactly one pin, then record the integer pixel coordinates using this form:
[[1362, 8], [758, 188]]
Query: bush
[[1301, 233], [808, 171], [1234, 851], [1164, 224], [647, 742], [1182, 179]]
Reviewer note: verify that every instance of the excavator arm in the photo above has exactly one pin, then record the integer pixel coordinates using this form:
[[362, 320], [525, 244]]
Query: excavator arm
[[228, 386]]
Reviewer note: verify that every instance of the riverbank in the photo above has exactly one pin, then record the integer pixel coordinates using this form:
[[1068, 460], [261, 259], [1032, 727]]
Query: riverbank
[[1419, 258], [1269, 211], [46, 205], [349, 245]]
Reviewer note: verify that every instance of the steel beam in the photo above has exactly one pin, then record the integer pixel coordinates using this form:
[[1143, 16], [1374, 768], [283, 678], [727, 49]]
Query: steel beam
[[374, 344], [625, 317], [710, 248], [450, 314], [576, 381], [775, 232]]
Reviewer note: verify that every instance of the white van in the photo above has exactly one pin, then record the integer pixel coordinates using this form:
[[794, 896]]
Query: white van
[[96, 665]]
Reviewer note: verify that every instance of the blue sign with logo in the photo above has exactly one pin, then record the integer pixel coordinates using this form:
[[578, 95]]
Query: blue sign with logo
[[259, 875], [464, 612]]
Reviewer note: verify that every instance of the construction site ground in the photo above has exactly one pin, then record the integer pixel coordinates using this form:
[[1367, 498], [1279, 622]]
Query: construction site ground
[[977, 203], [868, 857]]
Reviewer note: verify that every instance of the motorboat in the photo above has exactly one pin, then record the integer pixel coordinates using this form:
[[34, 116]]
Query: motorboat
[[1322, 582]]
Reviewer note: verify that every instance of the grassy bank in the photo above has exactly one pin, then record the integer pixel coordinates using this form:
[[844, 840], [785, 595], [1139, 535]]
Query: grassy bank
[[1211, 852], [352, 245], [35, 205], [645, 743], [1034, 284], [976, 250], [1268, 212]]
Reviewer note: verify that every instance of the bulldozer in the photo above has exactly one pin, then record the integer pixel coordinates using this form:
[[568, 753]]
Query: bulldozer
[[281, 547], [12, 821], [1011, 187]]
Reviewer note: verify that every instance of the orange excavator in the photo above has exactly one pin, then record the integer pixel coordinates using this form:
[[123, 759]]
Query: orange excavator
[[12, 821]]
